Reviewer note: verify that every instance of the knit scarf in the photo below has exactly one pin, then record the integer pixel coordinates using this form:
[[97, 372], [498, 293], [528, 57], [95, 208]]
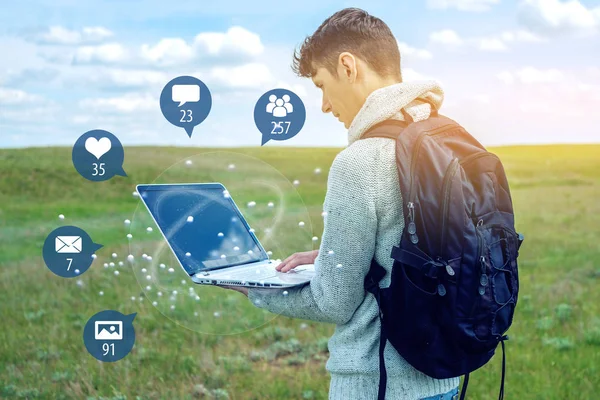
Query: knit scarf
[[386, 103]]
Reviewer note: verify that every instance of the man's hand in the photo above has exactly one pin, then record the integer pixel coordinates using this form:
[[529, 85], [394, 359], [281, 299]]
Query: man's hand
[[305, 257], [240, 289]]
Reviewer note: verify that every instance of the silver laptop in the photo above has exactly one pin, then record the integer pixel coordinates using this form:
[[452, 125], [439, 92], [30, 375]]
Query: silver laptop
[[212, 240]]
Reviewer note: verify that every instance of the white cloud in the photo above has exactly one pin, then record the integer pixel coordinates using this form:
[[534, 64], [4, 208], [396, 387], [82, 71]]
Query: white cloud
[[61, 35], [407, 50], [252, 75], [129, 103], [111, 53], [135, 78], [17, 97], [236, 41], [531, 75], [491, 44], [557, 17], [409, 74], [451, 39], [446, 36], [170, 51], [463, 5]]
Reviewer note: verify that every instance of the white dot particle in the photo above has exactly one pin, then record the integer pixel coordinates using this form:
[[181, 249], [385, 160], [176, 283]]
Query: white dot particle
[[148, 287], [250, 251], [127, 222], [149, 277], [149, 229], [117, 273], [141, 298], [270, 253], [324, 214], [172, 306], [94, 256], [114, 255], [220, 234], [159, 294], [223, 256], [197, 297], [252, 230], [183, 282], [120, 263], [149, 258], [188, 162], [339, 266], [171, 270], [77, 271], [216, 314], [285, 292], [195, 313], [317, 170], [330, 252], [296, 182], [174, 292], [132, 298], [188, 254], [61, 216], [267, 230], [190, 218], [112, 264], [303, 326], [301, 223], [225, 194], [236, 248], [270, 204], [154, 303], [144, 270], [130, 258], [315, 238], [105, 265], [129, 236], [162, 266], [251, 204], [231, 166], [135, 194], [101, 293], [144, 255]]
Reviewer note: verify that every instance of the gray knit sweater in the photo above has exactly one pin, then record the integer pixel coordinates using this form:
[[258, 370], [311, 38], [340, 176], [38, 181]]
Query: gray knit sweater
[[363, 219]]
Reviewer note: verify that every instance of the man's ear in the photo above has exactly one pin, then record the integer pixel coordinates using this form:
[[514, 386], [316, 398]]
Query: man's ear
[[348, 66]]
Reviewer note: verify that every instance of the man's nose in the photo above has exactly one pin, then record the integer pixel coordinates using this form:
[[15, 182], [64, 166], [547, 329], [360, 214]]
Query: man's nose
[[326, 107]]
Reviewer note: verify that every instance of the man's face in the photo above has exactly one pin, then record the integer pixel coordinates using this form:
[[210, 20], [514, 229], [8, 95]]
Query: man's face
[[337, 96]]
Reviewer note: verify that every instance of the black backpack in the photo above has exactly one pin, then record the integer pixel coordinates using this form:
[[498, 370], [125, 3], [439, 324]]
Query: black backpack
[[454, 281]]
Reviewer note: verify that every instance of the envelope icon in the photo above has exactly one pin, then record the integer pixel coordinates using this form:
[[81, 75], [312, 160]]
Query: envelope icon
[[68, 244]]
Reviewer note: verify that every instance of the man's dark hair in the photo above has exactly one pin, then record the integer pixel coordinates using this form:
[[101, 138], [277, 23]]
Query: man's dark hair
[[355, 31]]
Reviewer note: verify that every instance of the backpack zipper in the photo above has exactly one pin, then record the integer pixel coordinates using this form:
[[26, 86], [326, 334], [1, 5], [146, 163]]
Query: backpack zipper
[[416, 149]]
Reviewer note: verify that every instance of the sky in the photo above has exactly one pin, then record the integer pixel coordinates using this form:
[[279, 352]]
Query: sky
[[513, 72]]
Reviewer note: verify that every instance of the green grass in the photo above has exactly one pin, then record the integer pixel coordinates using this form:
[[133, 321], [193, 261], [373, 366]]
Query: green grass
[[245, 352]]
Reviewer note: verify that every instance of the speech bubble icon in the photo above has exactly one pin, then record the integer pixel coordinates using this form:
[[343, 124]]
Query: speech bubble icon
[[109, 335], [68, 251], [185, 102], [98, 155], [185, 93], [279, 114]]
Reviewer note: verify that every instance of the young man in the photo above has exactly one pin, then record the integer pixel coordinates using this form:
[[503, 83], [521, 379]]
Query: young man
[[354, 59]]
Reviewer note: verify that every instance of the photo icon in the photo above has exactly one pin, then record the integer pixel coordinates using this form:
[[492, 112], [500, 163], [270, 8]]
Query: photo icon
[[108, 330]]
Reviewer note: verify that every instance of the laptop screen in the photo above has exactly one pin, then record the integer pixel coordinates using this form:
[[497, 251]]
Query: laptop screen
[[202, 225]]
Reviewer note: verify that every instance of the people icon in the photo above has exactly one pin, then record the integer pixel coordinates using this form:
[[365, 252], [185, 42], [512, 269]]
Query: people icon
[[279, 107]]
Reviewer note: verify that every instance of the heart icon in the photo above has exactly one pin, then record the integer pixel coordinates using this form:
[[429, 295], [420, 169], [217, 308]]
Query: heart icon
[[98, 147]]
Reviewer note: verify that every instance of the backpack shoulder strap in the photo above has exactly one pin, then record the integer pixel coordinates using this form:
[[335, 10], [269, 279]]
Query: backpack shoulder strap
[[390, 128]]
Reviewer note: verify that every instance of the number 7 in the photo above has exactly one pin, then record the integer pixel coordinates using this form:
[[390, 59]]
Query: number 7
[[70, 262]]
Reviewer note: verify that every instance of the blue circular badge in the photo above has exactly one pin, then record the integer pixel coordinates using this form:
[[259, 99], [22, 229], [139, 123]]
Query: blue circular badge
[[98, 155], [68, 251], [185, 102], [279, 114], [109, 335]]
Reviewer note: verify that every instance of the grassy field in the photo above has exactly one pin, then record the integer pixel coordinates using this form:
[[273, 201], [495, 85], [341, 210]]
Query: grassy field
[[243, 352]]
